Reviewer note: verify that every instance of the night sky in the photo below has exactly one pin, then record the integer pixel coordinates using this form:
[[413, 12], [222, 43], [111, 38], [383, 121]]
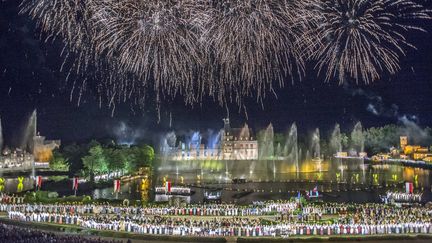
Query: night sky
[[30, 78]]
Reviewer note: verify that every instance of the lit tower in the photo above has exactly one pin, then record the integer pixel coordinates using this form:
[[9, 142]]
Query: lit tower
[[403, 142]]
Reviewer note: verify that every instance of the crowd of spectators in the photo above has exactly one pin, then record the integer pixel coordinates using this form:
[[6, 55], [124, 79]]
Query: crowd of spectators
[[9, 233], [231, 220]]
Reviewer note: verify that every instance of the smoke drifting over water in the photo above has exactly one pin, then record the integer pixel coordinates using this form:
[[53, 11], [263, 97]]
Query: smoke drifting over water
[[416, 133], [409, 123]]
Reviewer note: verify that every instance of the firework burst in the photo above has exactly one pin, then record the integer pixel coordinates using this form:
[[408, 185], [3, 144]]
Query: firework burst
[[360, 39], [228, 49], [155, 41], [253, 45], [68, 20]]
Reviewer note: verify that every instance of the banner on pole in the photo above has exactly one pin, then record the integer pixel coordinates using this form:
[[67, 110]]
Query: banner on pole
[[116, 185], [75, 184], [409, 188], [38, 182], [168, 187]]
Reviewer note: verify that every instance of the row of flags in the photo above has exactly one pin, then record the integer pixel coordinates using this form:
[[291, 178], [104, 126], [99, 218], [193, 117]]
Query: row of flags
[[409, 188], [311, 193], [38, 183], [75, 183]]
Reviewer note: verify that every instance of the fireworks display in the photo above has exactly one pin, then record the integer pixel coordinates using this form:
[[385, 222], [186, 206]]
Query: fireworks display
[[253, 45], [227, 49], [360, 39]]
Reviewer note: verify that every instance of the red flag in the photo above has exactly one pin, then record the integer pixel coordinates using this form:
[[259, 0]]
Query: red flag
[[168, 186], [38, 181], [116, 185], [75, 184], [409, 187]]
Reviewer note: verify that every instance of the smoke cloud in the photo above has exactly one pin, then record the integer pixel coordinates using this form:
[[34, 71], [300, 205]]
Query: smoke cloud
[[127, 135], [409, 124]]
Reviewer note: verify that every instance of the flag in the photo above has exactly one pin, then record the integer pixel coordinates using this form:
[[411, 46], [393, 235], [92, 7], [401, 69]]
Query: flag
[[168, 187], [75, 184], [116, 185], [313, 192], [409, 187], [38, 181]]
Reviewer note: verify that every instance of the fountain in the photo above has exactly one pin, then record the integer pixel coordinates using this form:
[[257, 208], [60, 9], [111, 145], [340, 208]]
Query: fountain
[[266, 148], [1, 137], [195, 140], [336, 140], [168, 142], [30, 131], [278, 151], [291, 151], [315, 149], [357, 139], [27, 142], [213, 141], [357, 146], [336, 147]]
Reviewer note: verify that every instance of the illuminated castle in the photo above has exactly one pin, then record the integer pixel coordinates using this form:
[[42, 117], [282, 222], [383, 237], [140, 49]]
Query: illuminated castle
[[237, 143], [416, 152], [43, 149], [230, 144], [33, 148]]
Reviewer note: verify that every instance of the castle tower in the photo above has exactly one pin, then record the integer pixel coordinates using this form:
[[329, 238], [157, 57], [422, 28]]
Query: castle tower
[[227, 126], [403, 142]]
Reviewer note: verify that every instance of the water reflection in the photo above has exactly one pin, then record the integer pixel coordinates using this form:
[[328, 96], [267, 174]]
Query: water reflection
[[266, 180], [353, 171]]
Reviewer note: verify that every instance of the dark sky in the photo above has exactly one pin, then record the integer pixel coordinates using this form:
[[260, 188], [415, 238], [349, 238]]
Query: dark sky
[[30, 78]]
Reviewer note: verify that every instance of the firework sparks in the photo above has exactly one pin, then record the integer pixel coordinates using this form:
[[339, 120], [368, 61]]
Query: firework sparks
[[132, 50], [155, 41], [360, 39], [253, 45]]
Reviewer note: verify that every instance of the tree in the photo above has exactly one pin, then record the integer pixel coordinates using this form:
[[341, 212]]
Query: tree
[[116, 159], [74, 153], [129, 159], [142, 157], [380, 139], [95, 162], [58, 162]]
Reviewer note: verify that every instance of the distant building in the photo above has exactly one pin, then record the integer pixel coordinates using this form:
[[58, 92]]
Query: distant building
[[381, 157], [34, 149], [403, 142], [415, 152], [15, 158], [363, 155], [43, 149], [342, 154], [238, 143], [232, 144]]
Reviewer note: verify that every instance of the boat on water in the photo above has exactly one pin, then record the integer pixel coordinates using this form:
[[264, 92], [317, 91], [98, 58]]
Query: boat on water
[[175, 190]]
